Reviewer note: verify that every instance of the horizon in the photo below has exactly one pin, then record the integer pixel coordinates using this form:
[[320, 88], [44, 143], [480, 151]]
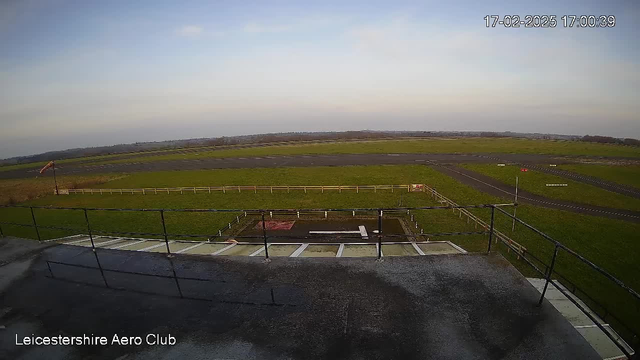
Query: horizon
[[89, 74]]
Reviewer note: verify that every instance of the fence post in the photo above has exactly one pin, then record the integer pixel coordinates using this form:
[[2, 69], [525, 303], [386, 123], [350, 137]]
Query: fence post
[[164, 230], [264, 235], [35, 225], [549, 273], [86, 218], [493, 213], [379, 234]]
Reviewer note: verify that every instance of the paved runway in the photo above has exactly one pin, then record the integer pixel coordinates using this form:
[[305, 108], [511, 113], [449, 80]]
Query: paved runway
[[495, 187], [288, 161], [535, 161]]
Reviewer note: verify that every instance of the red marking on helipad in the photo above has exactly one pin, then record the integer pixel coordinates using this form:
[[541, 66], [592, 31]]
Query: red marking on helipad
[[275, 225]]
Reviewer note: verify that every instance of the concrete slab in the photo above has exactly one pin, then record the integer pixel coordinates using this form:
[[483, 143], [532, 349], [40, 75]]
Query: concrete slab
[[122, 244], [139, 245], [600, 342], [241, 250], [281, 250], [351, 250], [576, 317], [174, 247], [314, 250], [399, 250], [438, 248], [422, 307], [207, 249]]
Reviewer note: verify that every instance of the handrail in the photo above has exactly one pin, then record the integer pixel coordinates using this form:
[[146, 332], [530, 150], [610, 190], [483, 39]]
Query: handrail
[[580, 257]]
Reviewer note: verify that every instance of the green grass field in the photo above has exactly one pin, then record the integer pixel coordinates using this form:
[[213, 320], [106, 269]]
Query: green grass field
[[481, 145], [535, 182], [621, 174], [434, 145], [609, 243]]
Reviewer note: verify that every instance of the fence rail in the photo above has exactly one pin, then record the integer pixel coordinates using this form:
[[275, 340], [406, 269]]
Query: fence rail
[[511, 244], [240, 188]]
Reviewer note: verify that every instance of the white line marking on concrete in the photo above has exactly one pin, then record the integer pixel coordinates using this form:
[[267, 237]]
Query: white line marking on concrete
[[299, 250], [588, 326], [155, 246], [415, 246], [456, 247], [224, 249], [125, 245], [340, 250], [363, 232], [77, 241], [66, 238], [108, 242], [257, 252], [190, 248]]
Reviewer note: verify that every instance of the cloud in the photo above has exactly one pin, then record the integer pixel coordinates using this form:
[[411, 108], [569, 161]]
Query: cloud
[[256, 28], [190, 31]]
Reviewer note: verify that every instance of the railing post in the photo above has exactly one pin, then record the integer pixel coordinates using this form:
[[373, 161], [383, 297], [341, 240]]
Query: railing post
[[35, 225], [86, 218], [379, 234], [164, 230], [493, 213], [264, 235], [549, 273]]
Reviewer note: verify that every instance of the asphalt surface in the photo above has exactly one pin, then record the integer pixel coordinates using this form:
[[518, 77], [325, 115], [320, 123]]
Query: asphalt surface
[[603, 184], [285, 161], [495, 187], [427, 307], [478, 181]]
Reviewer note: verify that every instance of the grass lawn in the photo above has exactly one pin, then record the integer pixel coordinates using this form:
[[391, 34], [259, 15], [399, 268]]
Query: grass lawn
[[609, 243], [461, 145], [621, 174], [433, 145], [535, 182], [19, 190]]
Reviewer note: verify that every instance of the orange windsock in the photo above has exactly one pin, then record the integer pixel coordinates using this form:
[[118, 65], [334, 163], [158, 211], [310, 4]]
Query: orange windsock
[[46, 167]]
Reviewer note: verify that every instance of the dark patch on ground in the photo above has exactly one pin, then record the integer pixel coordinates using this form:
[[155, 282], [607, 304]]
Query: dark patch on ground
[[445, 307], [300, 231]]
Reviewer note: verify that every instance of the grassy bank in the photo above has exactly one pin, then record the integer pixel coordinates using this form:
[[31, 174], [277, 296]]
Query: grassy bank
[[14, 191], [535, 182]]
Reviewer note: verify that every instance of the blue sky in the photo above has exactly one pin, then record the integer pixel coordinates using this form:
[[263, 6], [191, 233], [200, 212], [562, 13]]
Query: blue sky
[[88, 73]]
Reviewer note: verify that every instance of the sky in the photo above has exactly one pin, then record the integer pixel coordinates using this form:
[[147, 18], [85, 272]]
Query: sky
[[93, 73]]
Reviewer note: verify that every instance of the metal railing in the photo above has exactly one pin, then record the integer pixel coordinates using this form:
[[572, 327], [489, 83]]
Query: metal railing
[[549, 271]]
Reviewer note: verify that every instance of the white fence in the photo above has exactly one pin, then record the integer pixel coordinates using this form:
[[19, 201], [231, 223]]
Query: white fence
[[254, 188], [511, 244]]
